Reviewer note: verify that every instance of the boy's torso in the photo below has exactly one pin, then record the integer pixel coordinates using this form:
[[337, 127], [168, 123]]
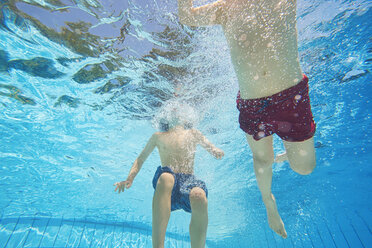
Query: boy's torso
[[262, 37], [177, 150]]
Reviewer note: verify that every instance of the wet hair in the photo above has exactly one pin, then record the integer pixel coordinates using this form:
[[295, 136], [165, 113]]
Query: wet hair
[[175, 113], [163, 125]]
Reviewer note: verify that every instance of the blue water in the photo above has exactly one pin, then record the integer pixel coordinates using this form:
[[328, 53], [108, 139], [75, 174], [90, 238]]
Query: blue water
[[80, 82]]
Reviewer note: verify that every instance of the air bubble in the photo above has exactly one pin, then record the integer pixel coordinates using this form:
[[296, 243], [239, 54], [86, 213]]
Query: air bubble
[[243, 37], [261, 134], [213, 17]]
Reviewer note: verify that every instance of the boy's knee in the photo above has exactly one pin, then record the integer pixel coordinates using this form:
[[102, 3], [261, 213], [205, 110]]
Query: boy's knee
[[263, 159], [305, 168], [198, 197], [165, 181]]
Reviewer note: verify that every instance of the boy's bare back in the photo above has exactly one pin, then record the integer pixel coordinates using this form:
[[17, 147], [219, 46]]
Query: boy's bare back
[[175, 185], [177, 148], [262, 37]]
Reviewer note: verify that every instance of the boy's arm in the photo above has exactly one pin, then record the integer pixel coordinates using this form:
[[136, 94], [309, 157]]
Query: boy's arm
[[137, 165], [207, 145], [208, 14], [142, 157]]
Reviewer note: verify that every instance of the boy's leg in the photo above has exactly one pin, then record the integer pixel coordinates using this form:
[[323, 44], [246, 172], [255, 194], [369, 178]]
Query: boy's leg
[[301, 156], [161, 208], [199, 217], [263, 158]]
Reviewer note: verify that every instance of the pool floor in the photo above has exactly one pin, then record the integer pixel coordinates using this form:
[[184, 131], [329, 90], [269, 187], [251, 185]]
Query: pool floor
[[348, 230]]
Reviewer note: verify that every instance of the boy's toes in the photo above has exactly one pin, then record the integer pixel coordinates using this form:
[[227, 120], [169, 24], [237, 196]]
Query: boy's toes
[[284, 234]]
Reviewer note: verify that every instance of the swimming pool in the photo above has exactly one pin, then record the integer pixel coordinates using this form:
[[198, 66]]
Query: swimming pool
[[80, 82]]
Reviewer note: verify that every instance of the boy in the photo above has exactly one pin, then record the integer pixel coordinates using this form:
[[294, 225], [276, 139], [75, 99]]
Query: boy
[[273, 96], [175, 185]]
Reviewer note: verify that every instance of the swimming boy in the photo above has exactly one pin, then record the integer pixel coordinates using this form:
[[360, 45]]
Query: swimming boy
[[175, 185], [273, 97]]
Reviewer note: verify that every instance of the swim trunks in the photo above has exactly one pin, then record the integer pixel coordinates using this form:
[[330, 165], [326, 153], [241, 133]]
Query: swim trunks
[[287, 113], [183, 184]]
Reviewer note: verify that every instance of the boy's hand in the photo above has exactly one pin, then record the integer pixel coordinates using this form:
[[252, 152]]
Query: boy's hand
[[122, 185], [218, 153]]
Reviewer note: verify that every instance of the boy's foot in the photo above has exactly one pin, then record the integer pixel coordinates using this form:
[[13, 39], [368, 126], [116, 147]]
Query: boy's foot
[[281, 157], [275, 222]]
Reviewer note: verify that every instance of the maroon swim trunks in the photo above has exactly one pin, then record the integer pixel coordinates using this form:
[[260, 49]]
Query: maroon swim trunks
[[287, 113]]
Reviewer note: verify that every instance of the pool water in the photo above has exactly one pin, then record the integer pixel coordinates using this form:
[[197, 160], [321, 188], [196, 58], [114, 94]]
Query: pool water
[[80, 82]]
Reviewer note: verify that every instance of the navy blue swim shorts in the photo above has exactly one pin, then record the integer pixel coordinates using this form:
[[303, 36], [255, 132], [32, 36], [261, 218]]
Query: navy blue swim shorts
[[183, 184]]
